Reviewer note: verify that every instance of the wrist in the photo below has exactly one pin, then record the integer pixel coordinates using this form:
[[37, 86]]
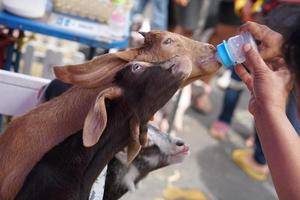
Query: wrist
[[270, 110]]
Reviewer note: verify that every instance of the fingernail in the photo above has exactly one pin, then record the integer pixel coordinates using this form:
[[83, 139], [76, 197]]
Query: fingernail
[[247, 47]]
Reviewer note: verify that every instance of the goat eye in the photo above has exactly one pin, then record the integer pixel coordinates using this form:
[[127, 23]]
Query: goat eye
[[136, 67], [168, 41]]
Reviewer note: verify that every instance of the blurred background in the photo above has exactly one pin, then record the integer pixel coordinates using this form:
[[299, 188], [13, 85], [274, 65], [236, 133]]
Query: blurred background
[[226, 161]]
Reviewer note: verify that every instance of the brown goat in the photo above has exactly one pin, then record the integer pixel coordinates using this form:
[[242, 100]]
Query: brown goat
[[158, 47], [30, 136]]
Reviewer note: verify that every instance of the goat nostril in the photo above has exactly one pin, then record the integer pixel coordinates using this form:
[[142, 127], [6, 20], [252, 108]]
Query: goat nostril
[[211, 47], [179, 143]]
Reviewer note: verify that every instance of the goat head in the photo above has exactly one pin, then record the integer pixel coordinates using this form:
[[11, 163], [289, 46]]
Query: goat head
[[159, 46]]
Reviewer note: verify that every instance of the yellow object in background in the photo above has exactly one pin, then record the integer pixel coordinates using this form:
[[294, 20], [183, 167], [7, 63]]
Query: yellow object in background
[[240, 4], [174, 193], [238, 156], [256, 7]]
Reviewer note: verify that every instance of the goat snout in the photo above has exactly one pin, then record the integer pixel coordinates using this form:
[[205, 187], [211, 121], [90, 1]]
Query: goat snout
[[179, 143], [211, 47]]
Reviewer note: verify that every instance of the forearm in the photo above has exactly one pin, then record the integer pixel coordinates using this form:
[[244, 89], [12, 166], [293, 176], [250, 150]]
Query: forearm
[[281, 146]]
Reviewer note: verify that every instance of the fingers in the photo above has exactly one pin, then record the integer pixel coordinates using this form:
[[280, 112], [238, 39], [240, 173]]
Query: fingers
[[271, 41], [254, 60], [245, 76], [257, 30]]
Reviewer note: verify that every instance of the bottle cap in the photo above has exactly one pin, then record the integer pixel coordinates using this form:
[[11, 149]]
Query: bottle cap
[[224, 54]]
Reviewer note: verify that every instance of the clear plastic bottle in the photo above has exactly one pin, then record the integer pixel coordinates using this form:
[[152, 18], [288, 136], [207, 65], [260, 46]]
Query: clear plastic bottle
[[117, 21], [231, 53]]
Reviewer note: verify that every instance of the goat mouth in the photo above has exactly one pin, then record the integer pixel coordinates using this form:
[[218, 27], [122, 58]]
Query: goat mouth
[[207, 60], [184, 151]]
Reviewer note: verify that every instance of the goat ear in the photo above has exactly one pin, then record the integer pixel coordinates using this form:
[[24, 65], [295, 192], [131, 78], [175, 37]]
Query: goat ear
[[99, 71], [96, 119], [134, 145], [128, 55]]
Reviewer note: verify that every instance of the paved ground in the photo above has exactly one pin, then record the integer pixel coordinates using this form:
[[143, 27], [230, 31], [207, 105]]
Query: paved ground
[[209, 168]]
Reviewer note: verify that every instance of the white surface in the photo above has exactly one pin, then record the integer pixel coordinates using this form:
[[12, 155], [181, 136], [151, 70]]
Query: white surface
[[26, 8], [19, 92], [97, 190]]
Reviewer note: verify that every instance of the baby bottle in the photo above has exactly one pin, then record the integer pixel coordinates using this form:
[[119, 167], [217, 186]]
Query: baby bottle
[[231, 53]]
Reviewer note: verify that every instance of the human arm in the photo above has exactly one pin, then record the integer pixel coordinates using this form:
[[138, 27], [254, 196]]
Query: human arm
[[281, 145]]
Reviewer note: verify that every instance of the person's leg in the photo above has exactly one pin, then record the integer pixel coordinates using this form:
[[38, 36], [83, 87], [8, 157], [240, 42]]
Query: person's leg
[[187, 17], [255, 165], [230, 101], [159, 19], [258, 152], [226, 27], [221, 126], [291, 113], [139, 7], [252, 163]]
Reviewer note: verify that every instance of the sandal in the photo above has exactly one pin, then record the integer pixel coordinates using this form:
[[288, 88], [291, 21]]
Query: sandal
[[219, 130], [172, 193], [239, 158]]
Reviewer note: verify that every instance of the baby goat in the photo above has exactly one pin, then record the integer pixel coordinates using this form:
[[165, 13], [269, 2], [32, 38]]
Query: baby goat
[[69, 170], [162, 150]]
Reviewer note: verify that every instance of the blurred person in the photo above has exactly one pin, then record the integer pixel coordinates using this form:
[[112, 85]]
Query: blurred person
[[159, 18], [226, 26], [221, 126], [186, 15], [270, 87], [229, 23], [170, 117]]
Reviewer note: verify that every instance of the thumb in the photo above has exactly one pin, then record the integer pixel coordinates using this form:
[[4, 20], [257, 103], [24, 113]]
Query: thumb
[[254, 60]]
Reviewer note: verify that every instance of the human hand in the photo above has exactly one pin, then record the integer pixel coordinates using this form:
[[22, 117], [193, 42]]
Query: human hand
[[269, 85], [182, 2], [271, 41]]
